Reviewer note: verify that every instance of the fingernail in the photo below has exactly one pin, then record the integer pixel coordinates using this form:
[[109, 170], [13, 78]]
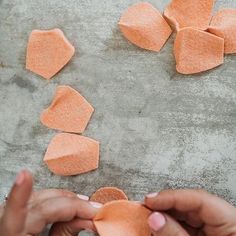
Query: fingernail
[[20, 178], [96, 204], [156, 221], [152, 195], [83, 197]]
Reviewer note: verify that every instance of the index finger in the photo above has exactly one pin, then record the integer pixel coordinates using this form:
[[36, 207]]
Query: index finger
[[44, 194], [209, 208], [61, 209], [15, 212]]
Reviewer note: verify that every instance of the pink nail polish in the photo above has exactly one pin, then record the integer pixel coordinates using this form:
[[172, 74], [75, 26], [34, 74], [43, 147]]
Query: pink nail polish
[[156, 221], [20, 178], [152, 195], [96, 204], [83, 197]]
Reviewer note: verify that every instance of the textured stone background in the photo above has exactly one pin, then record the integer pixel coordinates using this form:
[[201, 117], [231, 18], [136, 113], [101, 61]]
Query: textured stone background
[[158, 129]]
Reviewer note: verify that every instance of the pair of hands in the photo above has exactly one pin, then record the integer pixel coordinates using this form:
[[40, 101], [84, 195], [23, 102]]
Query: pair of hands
[[175, 212]]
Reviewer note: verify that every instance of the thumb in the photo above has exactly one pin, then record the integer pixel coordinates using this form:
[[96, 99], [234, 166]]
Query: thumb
[[15, 213], [162, 224]]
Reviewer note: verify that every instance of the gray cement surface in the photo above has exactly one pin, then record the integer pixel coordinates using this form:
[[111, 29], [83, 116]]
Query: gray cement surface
[[158, 129]]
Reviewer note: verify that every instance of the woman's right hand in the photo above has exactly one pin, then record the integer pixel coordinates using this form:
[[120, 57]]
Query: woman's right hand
[[190, 213]]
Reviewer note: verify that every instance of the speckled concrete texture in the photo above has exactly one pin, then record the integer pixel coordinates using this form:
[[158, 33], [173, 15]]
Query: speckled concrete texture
[[158, 129]]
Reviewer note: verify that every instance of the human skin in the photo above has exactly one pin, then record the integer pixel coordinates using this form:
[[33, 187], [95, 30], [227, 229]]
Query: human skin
[[175, 212], [190, 213], [27, 212]]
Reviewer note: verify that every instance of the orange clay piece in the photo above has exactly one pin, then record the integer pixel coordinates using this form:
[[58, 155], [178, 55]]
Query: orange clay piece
[[196, 51], [223, 24], [68, 112], [71, 154], [121, 218], [189, 13], [144, 26], [48, 52], [108, 194]]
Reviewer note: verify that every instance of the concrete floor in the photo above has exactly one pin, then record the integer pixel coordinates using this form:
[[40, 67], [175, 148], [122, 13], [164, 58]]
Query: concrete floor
[[158, 129]]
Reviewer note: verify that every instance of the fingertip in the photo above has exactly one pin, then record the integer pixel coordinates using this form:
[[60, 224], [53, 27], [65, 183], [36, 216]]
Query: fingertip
[[152, 195], [22, 189], [156, 221], [24, 176], [150, 199], [86, 209], [28, 177], [83, 197], [27, 173], [96, 204]]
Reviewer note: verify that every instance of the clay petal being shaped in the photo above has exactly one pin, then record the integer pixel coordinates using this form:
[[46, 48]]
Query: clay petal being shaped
[[123, 218], [48, 51], [144, 26]]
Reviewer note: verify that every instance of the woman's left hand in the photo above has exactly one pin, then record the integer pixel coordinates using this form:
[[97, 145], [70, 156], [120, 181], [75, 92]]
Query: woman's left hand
[[27, 213]]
